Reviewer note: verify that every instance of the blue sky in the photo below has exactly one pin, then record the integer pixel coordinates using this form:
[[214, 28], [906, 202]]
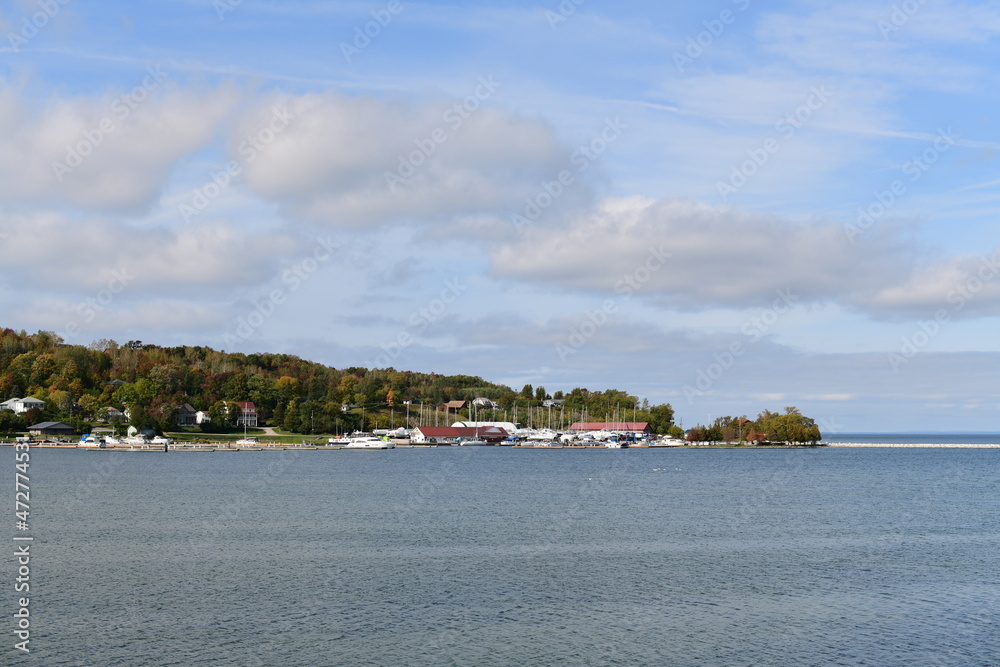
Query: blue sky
[[728, 206]]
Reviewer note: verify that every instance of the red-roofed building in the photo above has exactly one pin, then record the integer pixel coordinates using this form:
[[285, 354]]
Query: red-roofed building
[[637, 427], [248, 414], [448, 434]]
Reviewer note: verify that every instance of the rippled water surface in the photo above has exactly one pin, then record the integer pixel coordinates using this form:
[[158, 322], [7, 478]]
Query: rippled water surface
[[492, 556]]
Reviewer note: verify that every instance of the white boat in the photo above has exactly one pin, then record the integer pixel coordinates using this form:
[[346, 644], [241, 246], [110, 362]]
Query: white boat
[[471, 443], [136, 440], [338, 442], [368, 441], [161, 440], [90, 440], [248, 441]]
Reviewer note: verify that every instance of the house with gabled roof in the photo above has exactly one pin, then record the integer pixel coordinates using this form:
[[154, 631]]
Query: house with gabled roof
[[22, 405], [248, 414], [186, 416], [51, 428]]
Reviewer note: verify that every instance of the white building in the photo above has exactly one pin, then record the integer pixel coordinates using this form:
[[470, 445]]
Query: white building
[[22, 405]]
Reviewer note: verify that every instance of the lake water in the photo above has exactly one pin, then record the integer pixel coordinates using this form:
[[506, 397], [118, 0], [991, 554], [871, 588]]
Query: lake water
[[492, 556], [915, 438]]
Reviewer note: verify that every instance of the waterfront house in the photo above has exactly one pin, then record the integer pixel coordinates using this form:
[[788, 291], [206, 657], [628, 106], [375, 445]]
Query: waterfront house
[[248, 414], [186, 416], [51, 428]]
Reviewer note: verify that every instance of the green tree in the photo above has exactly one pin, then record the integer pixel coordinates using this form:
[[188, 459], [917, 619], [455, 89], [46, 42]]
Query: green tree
[[661, 418], [293, 420], [11, 422], [42, 370]]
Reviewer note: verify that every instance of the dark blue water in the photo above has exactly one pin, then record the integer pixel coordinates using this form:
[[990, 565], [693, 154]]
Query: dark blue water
[[493, 556]]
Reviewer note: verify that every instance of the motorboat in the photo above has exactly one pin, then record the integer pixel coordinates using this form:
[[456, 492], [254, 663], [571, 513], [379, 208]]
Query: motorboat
[[360, 440]]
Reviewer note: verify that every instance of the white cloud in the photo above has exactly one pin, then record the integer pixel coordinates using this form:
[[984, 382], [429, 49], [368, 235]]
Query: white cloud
[[959, 287], [719, 256], [87, 254], [331, 162], [110, 153]]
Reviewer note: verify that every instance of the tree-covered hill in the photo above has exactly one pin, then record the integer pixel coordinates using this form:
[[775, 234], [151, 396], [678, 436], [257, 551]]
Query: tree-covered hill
[[78, 384]]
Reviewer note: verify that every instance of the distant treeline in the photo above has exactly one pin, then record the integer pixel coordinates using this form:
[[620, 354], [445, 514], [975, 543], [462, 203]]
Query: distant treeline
[[791, 426]]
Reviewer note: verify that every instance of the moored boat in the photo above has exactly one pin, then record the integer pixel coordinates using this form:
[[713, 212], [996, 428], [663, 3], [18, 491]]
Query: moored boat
[[360, 440]]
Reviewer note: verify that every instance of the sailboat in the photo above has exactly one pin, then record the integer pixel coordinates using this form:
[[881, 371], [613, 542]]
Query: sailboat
[[475, 441], [247, 440]]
